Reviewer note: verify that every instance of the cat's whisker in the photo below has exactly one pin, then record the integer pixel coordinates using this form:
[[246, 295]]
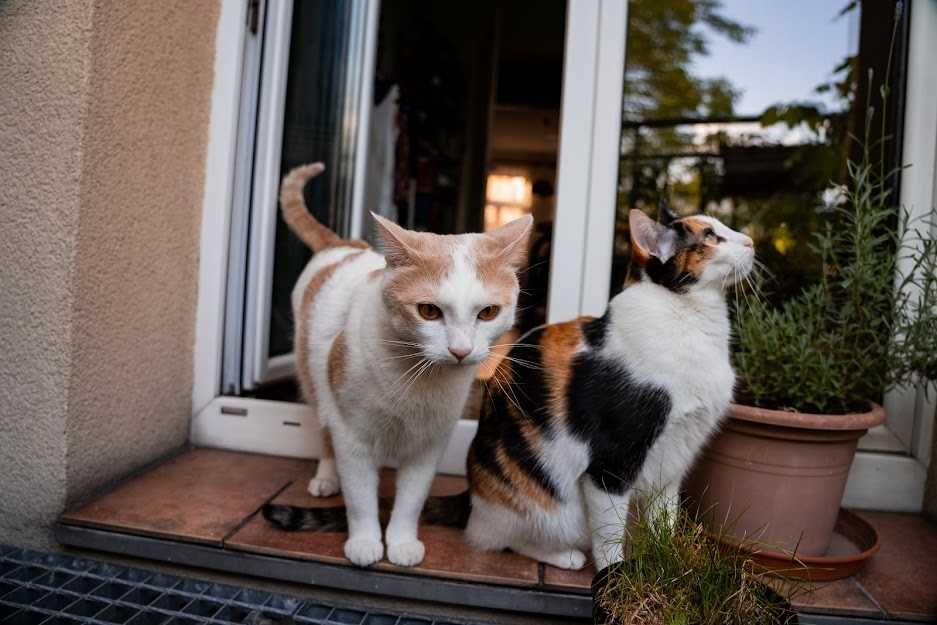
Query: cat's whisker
[[534, 266], [511, 397], [407, 372], [524, 363], [427, 364], [516, 345], [401, 343], [402, 356], [761, 266]]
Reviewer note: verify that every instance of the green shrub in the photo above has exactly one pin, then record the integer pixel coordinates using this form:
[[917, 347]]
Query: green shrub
[[868, 326]]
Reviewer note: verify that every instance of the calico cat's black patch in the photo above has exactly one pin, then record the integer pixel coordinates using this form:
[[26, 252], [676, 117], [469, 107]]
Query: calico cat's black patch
[[497, 428], [668, 275], [527, 385], [617, 417], [595, 330], [672, 273]]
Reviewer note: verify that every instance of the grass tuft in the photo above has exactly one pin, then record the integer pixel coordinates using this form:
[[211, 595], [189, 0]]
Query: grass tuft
[[678, 575]]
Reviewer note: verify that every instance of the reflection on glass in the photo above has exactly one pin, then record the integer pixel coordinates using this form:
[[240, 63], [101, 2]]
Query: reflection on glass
[[743, 109], [311, 132], [464, 126]]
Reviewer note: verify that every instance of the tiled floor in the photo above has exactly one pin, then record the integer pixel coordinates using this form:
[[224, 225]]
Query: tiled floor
[[212, 497]]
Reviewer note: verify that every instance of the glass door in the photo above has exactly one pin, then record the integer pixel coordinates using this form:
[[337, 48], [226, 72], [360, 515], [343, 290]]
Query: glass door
[[744, 109], [444, 117], [748, 111], [308, 91]]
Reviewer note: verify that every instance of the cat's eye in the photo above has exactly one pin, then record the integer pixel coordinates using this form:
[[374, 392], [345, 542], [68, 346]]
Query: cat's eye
[[489, 312], [710, 236], [430, 312]]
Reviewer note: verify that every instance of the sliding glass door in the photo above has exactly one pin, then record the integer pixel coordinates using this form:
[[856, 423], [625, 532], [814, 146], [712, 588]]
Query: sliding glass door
[[444, 117], [310, 88]]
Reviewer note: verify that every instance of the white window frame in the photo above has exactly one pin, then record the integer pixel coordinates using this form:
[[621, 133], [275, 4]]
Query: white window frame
[[581, 267], [890, 470]]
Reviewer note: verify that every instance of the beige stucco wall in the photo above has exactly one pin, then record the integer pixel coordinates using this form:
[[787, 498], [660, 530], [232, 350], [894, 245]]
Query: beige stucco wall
[[103, 127]]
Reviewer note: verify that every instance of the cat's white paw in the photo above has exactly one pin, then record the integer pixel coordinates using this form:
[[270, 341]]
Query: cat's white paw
[[406, 554], [364, 551], [572, 560], [323, 487]]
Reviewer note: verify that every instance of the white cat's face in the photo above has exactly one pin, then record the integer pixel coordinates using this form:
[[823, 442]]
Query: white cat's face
[[451, 297], [730, 255]]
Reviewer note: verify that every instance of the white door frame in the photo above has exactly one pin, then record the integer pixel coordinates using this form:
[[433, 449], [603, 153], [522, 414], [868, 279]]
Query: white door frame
[[896, 480], [587, 178], [256, 365]]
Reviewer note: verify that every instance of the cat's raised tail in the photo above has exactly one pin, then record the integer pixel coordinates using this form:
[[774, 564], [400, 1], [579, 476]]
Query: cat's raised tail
[[297, 215]]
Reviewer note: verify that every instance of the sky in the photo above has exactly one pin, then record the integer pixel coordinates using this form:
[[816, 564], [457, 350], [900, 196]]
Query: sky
[[795, 48]]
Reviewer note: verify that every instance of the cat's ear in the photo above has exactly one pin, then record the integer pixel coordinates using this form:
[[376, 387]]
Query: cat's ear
[[649, 238], [511, 239], [665, 214], [396, 243]]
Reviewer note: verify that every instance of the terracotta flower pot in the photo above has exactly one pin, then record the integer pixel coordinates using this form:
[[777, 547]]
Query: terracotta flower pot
[[776, 477]]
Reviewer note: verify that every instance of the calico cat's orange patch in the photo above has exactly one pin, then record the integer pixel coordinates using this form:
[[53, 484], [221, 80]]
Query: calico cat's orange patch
[[693, 259], [499, 349], [558, 344], [488, 486], [525, 488]]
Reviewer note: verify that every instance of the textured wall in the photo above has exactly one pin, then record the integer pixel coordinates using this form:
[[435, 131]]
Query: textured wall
[[103, 126], [137, 254], [44, 71]]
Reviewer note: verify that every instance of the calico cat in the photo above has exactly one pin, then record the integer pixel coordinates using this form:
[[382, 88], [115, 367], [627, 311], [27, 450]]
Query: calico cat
[[387, 346], [597, 409]]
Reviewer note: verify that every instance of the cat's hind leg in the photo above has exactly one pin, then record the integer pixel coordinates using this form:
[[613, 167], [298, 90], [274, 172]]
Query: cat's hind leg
[[570, 558], [325, 483]]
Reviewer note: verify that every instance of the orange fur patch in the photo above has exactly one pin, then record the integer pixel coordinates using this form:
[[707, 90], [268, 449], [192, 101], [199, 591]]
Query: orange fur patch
[[328, 450], [558, 344], [525, 490], [301, 342], [499, 349], [337, 362], [418, 282], [493, 271], [489, 487]]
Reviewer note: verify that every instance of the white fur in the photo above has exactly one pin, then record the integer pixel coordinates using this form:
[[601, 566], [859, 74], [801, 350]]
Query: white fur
[[385, 411], [678, 342]]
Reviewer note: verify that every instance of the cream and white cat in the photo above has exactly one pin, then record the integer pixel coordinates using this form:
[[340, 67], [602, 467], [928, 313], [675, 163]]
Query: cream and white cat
[[387, 346]]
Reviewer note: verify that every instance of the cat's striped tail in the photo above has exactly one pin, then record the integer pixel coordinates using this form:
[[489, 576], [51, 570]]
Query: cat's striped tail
[[448, 511], [297, 215]]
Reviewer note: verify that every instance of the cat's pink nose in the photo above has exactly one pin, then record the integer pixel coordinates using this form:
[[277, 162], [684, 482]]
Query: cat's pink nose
[[460, 352], [747, 242]]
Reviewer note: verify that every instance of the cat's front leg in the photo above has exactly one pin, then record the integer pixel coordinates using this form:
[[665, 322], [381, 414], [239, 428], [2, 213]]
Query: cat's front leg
[[607, 511], [359, 477], [414, 479]]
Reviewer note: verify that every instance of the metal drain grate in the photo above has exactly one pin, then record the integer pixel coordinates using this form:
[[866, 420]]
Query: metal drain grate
[[49, 589]]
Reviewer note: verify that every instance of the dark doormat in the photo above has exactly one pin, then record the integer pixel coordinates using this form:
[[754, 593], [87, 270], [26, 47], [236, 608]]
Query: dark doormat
[[50, 589]]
